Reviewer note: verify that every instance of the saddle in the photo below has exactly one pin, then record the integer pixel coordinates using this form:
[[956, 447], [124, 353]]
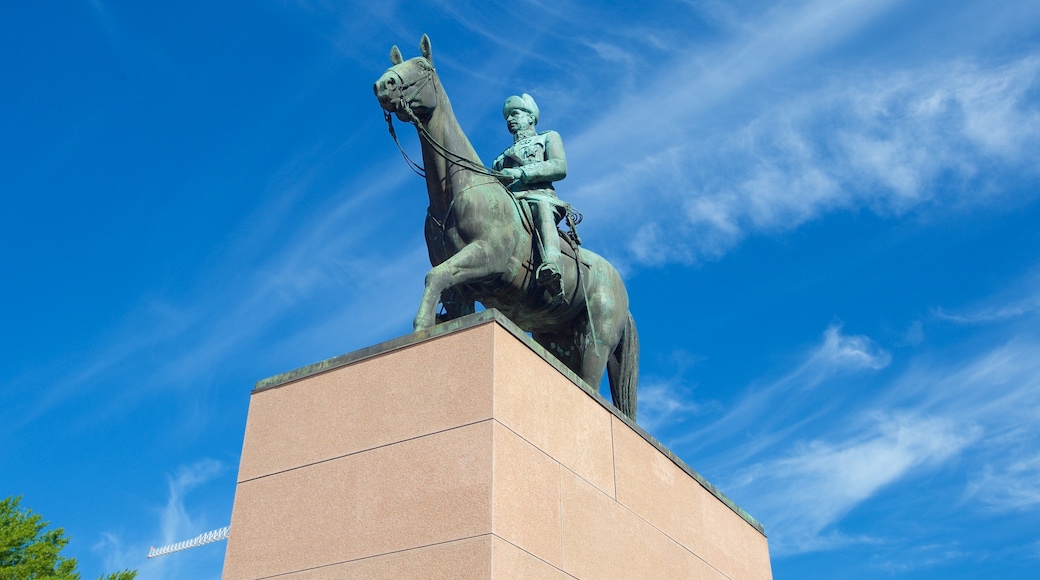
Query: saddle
[[569, 241], [562, 212]]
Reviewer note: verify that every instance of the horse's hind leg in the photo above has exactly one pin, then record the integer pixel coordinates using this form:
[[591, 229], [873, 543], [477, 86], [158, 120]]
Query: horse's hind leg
[[563, 346], [457, 303], [471, 263], [576, 350], [623, 370], [608, 314]]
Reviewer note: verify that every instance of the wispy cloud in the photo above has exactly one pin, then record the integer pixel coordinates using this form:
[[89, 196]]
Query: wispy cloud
[[903, 559], [802, 482], [115, 555], [666, 403], [176, 522], [883, 143], [1020, 300], [774, 410], [837, 353], [987, 315], [1009, 487], [996, 384], [847, 422], [700, 174], [317, 268], [819, 481], [668, 400]]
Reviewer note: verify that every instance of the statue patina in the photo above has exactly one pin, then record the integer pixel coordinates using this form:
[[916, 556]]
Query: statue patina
[[482, 239], [530, 166]]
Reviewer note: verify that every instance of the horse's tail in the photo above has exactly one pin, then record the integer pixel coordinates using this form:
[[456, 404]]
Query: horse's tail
[[623, 370]]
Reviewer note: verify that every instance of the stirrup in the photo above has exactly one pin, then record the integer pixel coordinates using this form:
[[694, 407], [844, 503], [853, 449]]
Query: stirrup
[[549, 277]]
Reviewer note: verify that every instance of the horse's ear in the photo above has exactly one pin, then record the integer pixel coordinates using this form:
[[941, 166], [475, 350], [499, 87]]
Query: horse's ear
[[424, 48], [395, 56]]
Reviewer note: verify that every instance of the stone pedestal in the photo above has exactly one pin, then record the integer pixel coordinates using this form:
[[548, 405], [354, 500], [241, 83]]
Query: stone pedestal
[[462, 452]]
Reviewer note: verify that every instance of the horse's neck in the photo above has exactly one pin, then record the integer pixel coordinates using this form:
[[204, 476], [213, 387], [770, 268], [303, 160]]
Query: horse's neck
[[443, 179]]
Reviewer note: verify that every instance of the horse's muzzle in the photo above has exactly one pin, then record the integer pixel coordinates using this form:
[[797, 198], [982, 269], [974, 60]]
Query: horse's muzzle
[[388, 91]]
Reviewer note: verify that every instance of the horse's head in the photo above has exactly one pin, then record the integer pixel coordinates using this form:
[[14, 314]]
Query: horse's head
[[409, 85]]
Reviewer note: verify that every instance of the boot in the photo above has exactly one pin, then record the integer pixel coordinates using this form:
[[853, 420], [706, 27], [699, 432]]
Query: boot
[[548, 274], [550, 278]]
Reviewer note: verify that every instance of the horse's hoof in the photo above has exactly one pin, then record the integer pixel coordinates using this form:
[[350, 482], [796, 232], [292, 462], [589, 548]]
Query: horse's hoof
[[421, 323]]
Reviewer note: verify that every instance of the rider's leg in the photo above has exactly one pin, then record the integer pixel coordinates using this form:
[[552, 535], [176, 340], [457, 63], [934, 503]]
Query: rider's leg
[[549, 271]]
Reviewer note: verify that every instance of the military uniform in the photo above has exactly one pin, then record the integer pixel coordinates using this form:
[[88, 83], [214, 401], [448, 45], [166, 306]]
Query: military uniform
[[541, 161]]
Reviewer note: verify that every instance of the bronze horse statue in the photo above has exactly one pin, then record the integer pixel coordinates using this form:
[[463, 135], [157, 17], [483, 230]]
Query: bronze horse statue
[[479, 238]]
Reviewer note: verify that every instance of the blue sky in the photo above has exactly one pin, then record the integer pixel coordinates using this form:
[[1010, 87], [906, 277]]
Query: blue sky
[[825, 213]]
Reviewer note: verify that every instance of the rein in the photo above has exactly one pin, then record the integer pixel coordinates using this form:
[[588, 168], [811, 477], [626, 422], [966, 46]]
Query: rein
[[415, 167], [573, 218], [441, 150], [451, 205], [438, 147], [427, 78]]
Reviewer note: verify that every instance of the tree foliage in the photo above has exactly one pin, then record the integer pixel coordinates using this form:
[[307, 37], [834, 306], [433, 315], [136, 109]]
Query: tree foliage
[[29, 551]]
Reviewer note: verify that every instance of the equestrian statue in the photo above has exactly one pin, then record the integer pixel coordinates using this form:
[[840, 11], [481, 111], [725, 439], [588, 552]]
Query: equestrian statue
[[492, 234]]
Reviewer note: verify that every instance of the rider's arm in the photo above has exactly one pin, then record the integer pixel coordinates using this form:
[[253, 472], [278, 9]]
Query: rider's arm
[[505, 174], [554, 168]]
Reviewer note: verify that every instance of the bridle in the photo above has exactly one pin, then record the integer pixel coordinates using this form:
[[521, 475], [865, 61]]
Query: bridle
[[573, 217], [419, 85]]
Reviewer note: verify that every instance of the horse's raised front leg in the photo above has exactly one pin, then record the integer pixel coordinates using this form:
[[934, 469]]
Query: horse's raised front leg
[[471, 263]]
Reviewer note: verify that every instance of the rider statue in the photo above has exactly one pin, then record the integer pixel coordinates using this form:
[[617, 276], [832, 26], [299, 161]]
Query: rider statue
[[530, 166]]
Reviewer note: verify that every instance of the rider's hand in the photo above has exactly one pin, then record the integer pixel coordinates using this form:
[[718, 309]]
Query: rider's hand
[[510, 174]]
